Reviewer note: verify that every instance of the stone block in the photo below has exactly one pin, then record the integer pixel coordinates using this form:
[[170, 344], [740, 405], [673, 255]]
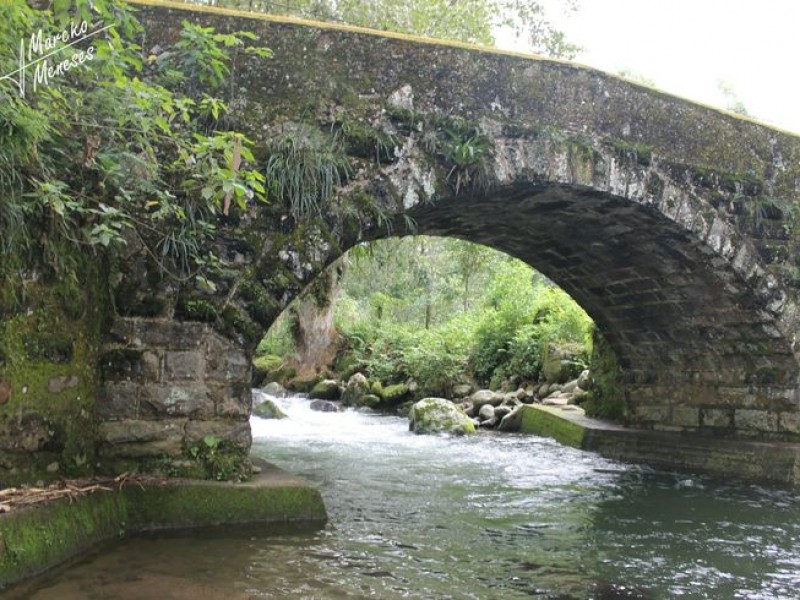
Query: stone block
[[236, 432], [232, 401], [789, 422], [738, 396], [685, 416], [121, 364], [716, 417], [174, 335], [175, 401], [184, 365], [140, 439], [151, 366], [650, 414], [226, 363], [118, 400], [755, 420]]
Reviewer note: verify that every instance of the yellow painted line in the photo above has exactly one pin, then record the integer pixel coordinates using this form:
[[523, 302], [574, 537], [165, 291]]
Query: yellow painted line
[[333, 26]]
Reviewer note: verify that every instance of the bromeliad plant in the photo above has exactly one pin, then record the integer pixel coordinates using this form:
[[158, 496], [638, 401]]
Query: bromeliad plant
[[466, 151]]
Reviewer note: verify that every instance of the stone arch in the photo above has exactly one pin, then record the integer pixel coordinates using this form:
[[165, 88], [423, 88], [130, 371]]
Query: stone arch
[[647, 209]]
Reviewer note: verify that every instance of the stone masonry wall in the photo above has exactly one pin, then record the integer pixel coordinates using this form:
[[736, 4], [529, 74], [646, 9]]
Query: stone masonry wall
[[169, 385]]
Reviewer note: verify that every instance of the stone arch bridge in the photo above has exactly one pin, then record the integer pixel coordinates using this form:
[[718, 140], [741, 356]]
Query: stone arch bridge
[[671, 223]]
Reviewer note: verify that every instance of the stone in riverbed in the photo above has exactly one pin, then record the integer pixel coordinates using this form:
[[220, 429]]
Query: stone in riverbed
[[324, 406], [369, 401], [273, 388], [437, 415], [357, 387], [489, 423], [462, 390], [268, 410], [512, 421], [486, 412], [327, 389], [503, 410], [482, 397]]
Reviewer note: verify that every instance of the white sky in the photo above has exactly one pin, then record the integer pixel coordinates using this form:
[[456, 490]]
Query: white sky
[[687, 46]]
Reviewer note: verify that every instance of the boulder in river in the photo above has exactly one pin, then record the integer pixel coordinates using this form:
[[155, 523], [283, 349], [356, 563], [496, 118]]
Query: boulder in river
[[357, 387], [486, 412], [327, 389], [437, 415], [273, 388], [512, 421], [369, 401], [324, 406], [561, 362], [268, 410], [482, 397], [394, 395], [585, 380]]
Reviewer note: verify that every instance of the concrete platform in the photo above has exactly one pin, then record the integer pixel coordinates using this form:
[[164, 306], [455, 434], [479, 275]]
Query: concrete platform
[[773, 462], [35, 539]]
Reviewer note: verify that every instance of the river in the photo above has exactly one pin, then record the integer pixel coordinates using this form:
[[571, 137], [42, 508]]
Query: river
[[494, 516]]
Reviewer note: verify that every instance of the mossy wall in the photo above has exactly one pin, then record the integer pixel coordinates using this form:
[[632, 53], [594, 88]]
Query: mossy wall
[[35, 539], [49, 346]]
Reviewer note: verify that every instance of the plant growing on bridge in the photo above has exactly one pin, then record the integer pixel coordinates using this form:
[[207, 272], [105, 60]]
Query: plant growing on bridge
[[466, 151], [304, 167], [119, 154]]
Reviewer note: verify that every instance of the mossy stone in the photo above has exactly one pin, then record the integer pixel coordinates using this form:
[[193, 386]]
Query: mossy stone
[[327, 389]]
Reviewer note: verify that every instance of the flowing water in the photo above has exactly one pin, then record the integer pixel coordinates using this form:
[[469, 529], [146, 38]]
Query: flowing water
[[494, 516]]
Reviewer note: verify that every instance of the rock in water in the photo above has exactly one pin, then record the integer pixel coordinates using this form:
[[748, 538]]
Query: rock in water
[[268, 410], [486, 412], [369, 401], [512, 421], [323, 406], [437, 415], [482, 397], [273, 388], [327, 389], [357, 387]]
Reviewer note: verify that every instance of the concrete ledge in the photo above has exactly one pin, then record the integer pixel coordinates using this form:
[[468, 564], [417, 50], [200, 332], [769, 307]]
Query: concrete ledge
[[774, 462], [33, 540]]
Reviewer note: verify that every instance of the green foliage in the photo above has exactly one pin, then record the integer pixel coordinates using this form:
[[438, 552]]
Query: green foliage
[[304, 166], [606, 399], [466, 151], [279, 339], [118, 150], [501, 333], [220, 459], [467, 20]]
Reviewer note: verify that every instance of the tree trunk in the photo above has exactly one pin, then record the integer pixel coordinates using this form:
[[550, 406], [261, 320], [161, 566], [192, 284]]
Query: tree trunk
[[314, 334]]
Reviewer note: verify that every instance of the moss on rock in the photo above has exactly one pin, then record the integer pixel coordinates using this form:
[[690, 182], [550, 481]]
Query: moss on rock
[[327, 389], [395, 394], [438, 415], [540, 421]]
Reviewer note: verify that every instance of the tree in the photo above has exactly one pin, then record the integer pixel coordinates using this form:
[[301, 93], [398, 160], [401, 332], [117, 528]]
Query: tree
[[473, 21], [468, 261]]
